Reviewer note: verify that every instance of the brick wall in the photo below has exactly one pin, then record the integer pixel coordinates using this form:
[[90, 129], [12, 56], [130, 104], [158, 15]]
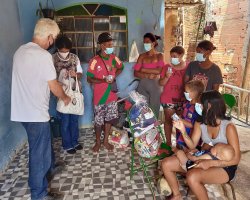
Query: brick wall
[[191, 20], [231, 17], [171, 22]]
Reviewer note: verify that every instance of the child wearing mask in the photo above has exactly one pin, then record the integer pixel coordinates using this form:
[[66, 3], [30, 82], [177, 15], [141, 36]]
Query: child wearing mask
[[172, 80], [193, 91], [67, 67]]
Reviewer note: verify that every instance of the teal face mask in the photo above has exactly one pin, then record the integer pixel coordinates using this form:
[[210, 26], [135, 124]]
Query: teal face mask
[[200, 57], [175, 61], [109, 50], [147, 46], [198, 108]]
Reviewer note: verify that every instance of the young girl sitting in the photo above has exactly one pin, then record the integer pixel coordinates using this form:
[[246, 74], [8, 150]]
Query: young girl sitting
[[193, 91]]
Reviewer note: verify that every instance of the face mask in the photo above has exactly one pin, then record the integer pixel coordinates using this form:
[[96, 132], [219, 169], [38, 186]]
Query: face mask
[[64, 55], [200, 57], [175, 61], [187, 96], [198, 108], [147, 46], [51, 45], [109, 50]]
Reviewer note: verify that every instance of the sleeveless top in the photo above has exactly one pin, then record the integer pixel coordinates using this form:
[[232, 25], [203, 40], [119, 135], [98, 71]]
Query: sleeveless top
[[221, 137]]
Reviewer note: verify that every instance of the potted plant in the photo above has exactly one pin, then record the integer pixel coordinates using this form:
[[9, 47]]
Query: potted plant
[[47, 12]]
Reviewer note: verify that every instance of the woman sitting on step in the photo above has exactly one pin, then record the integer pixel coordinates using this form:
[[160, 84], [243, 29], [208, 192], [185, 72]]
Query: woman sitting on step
[[214, 128]]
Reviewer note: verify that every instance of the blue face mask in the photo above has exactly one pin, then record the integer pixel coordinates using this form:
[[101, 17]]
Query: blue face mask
[[187, 96], [175, 61], [147, 46], [109, 50], [198, 108], [200, 57]]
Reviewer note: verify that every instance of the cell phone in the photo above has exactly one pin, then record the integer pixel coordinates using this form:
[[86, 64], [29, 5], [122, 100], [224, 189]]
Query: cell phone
[[199, 153], [170, 70], [175, 117], [190, 164]]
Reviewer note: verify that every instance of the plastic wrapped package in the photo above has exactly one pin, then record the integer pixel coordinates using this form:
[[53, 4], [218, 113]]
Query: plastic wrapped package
[[148, 144], [119, 138]]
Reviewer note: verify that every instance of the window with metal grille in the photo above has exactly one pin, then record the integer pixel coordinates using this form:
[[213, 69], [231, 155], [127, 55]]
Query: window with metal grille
[[84, 28]]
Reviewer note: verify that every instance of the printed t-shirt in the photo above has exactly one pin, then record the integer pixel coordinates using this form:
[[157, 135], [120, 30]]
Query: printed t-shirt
[[173, 90], [97, 69], [190, 115], [209, 77]]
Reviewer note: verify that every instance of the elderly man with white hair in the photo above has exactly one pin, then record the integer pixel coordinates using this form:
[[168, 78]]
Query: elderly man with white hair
[[33, 77]]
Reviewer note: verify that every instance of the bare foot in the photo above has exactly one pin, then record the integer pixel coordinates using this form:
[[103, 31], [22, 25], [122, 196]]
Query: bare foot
[[108, 146], [176, 197], [97, 147]]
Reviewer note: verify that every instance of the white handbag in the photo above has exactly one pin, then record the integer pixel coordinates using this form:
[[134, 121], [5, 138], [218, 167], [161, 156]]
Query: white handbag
[[76, 106]]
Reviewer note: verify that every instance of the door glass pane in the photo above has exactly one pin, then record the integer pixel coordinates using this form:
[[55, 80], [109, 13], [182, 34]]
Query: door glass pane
[[96, 35], [101, 24], [67, 24], [84, 39], [120, 38], [115, 24], [121, 52], [83, 24], [85, 54], [71, 36]]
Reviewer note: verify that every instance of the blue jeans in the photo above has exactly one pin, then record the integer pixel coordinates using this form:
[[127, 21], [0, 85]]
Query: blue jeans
[[69, 130], [39, 139]]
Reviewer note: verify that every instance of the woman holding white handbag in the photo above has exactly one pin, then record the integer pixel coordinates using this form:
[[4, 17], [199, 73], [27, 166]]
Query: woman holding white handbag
[[69, 72]]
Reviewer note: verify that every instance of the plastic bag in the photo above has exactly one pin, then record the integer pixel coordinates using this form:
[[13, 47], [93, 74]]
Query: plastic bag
[[134, 54], [118, 138], [148, 144]]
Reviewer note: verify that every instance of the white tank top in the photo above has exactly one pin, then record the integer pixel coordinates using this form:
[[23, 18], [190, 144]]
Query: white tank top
[[221, 137]]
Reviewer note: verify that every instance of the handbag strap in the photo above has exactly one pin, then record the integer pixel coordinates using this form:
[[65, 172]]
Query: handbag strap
[[77, 84]]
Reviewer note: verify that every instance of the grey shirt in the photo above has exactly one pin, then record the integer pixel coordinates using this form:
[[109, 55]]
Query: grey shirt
[[221, 137], [209, 76]]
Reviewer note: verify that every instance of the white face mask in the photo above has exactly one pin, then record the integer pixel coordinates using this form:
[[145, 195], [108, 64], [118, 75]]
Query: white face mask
[[187, 96], [198, 108], [64, 55]]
